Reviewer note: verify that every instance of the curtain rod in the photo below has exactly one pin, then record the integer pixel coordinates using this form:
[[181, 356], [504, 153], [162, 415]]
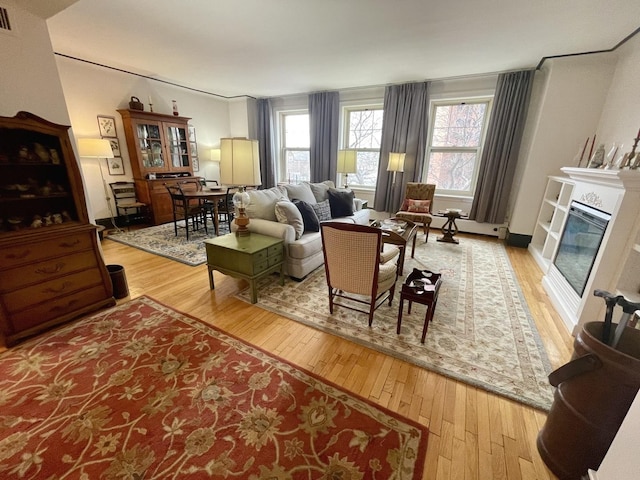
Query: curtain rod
[[619, 44], [151, 78]]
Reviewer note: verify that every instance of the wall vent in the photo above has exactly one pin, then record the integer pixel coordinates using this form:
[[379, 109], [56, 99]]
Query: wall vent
[[5, 22]]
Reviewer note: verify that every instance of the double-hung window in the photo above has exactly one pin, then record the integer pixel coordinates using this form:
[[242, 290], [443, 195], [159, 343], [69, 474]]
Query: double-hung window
[[454, 149], [363, 133], [295, 166]]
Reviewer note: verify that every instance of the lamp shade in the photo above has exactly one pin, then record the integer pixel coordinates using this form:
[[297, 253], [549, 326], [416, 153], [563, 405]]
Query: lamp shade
[[347, 161], [94, 148], [396, 162], [215, 155], [239, 162]]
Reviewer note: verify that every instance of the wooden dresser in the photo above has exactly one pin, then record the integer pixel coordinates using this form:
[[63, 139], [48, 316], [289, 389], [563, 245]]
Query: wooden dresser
[[51, 267]]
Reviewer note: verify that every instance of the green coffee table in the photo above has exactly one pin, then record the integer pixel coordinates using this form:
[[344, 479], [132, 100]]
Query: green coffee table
[[249, 257]]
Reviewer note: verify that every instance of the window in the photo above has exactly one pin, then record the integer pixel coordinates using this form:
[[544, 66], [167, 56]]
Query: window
[[363, 133], [453, 154], [295, 165]]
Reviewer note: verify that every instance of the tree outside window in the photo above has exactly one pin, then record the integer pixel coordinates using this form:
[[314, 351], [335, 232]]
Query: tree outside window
[[364, 134], [295, 148], [453, 154]]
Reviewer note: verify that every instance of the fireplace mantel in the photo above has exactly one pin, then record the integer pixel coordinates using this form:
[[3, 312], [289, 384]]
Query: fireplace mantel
[[616, 192]]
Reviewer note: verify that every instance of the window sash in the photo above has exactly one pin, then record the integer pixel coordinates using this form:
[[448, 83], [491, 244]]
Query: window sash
[[355, 179]]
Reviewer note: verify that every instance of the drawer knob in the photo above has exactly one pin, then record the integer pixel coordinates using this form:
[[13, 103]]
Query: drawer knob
[[60, 289], [19, 256], [50, 270]]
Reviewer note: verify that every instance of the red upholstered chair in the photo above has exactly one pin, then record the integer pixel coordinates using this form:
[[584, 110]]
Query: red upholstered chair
[[418, 205]]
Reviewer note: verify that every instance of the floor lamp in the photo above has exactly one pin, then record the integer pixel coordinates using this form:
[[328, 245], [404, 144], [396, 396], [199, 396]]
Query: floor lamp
[[347, 160], [240, 166], [395, 165]]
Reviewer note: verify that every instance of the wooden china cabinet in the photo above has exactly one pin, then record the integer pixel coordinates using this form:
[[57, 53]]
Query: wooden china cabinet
[[51, 267], [160, 154]]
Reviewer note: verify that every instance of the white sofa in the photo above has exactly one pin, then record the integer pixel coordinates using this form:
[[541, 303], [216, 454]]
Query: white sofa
[[272, 212]]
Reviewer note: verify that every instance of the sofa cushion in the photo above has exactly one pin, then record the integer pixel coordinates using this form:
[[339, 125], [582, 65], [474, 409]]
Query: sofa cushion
[[323, 210], [341, 202], [320, 189], [309, 217], [300, 192], [309, 244], [262, 203], [287, 212]]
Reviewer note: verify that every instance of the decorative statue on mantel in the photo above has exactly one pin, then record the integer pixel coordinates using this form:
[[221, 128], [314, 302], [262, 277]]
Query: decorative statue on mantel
[[598, 157]]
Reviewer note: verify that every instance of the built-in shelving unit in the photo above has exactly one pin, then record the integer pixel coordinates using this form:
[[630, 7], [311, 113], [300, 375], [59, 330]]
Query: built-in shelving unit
[[551, 218]]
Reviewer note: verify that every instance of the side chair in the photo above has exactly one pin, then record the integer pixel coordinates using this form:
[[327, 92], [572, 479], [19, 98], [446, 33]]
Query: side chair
[[418, 205], [183, 209], [124, 196], [356, 268]]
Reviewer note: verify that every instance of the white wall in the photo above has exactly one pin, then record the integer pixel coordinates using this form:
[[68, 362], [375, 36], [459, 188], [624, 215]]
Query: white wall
[[29, 79], [566, 105], [91, 91]]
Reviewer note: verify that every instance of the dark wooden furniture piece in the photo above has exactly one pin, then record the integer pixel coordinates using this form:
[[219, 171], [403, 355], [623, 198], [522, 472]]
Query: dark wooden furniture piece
[[421, 286], [124, 196], [398, 232], [186, 209], [160, 153], [250, 257], [51, 267], [450, 229], [421, 192]]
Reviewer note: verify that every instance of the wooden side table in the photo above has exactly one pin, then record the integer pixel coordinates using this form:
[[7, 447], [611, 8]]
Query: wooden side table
[[421, 287], [450, 229], [250, 257]]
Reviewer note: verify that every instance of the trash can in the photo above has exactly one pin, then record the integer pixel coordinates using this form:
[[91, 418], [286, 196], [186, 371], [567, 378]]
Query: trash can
[[594, 393], [118, 280]]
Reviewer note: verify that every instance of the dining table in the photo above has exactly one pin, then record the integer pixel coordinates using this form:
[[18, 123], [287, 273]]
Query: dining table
[[213, 194]]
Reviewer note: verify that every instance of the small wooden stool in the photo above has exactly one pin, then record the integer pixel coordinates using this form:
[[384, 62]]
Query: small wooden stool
[[421, 286]]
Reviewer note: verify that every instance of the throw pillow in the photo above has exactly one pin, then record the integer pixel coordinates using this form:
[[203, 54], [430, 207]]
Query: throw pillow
[[323, 210], [287, 212], [262, 203], [300, 192], [309, 217], [341, 202], [320, 189], [417, 206]]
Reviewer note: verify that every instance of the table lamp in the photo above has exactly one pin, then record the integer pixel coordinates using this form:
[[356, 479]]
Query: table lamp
[[347, 164], [240, 166]]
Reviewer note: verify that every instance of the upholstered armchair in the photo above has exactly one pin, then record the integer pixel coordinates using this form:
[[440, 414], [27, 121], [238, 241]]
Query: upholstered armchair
[[358, 271], [418, 205]]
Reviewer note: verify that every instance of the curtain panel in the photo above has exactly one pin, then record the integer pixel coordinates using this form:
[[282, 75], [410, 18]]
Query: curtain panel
[[404, 130], [266, 143], [500, 153], [324, 120]]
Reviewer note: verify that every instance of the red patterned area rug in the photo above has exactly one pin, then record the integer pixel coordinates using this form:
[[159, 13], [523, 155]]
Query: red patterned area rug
[[141, 391]]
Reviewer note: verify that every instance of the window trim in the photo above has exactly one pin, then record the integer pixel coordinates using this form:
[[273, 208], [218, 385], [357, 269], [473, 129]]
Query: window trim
[[347, 108], [281, 147], [488, 100]]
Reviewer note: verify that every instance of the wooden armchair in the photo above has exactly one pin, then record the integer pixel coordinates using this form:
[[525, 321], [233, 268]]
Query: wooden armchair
[[418, 205], [354, 268]]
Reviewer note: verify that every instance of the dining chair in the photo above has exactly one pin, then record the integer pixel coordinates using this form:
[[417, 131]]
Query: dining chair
[[356, 270], [418, 205], [185, 210], [124, 196]]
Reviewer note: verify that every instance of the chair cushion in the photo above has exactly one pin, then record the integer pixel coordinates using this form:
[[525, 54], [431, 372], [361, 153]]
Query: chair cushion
[[262, 203], [387, 271], [323, 210], [320, 189], [300, 192], [309, 217], [341, 202], [415, 217], [287, 212], [416, 206], [389, 252]]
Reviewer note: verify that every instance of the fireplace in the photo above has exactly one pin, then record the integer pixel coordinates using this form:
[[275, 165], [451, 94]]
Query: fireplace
[[579, 244]]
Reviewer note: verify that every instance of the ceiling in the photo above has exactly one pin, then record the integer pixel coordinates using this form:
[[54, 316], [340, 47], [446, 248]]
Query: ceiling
[[264, 48]]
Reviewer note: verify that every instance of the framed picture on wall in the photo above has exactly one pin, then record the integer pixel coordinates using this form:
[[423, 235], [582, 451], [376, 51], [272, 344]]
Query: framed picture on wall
[[107, 126], [193, 146], [115, 146], [116, 166]]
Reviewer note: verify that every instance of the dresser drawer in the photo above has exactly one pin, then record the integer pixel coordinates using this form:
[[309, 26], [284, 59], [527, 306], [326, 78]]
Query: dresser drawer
[[46, 270], [274, 250], [275, 259], [41, 292], [58, 307], [30, 252]]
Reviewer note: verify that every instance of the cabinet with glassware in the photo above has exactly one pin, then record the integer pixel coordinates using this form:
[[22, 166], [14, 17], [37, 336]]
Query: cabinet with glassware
[[160, 153], [51, 268]]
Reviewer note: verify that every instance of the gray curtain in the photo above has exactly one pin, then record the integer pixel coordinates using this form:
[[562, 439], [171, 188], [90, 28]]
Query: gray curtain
[[324, 119], [500, 153], [265, 143], [404, 130]]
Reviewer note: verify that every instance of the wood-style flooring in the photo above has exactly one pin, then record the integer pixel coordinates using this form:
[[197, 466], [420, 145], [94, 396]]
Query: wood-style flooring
[[473, 434]]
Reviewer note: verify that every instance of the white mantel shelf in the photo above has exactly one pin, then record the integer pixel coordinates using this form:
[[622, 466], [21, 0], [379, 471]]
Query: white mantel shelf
[[627, 179]]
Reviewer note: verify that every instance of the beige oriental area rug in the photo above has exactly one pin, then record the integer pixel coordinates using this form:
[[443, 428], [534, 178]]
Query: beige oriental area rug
[[141, 391], [482, 332]]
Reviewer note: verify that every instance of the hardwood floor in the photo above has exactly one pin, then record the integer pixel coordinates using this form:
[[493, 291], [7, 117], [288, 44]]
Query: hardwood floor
[[473, 434]]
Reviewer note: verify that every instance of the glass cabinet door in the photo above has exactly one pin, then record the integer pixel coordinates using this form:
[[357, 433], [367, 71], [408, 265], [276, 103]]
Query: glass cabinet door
[[178, 146], [150, 145]]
